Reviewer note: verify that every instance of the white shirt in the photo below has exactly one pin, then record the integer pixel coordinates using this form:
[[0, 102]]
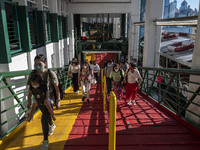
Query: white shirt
[[95, 68], [133, 77], [74, 69]]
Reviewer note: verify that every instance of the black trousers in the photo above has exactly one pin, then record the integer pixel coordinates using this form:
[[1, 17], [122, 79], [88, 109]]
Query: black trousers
[[108, 83], [96, 76], [45, 120], [75, 81]]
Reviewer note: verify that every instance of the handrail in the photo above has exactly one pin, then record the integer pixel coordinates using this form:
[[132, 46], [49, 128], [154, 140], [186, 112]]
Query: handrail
[[104, 95], [112, 121], [175, 89], [102, 81], [10, 82]]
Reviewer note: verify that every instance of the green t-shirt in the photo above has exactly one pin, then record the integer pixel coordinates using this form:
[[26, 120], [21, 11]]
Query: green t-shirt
[[117, 76]]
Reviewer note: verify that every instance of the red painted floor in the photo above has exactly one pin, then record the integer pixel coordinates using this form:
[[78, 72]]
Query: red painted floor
[[140, 127]]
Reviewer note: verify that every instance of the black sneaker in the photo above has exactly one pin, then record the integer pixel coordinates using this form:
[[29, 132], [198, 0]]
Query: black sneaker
[[88, 101], [83, 98]]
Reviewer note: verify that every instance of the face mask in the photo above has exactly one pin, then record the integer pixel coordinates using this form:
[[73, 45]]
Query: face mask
[[130, 68], [116, 70], [85, 67], [38, 67], [35, 87], [110, 65]]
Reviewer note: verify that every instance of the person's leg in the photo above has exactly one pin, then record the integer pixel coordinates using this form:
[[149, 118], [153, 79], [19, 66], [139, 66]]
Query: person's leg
[[44, 121], [88, 90], [128, 92], [108, 82], [134, 92], [73, 81], [76, 82], [83, 90]]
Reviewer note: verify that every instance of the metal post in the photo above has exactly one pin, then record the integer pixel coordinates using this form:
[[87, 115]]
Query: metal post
[[104, 95], [112, 122], [102, 81]]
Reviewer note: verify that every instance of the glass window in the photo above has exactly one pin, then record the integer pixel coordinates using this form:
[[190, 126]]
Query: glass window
[[180, 8], [13, 26], [32, 15], [47, 27]]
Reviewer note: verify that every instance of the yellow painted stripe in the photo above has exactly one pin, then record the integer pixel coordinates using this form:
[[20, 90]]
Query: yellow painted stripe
[[30, 136]]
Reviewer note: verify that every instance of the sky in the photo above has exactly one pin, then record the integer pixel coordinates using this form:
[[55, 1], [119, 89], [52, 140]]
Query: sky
[[193, 3]]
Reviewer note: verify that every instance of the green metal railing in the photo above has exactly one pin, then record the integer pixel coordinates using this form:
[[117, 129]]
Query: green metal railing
[[13, 92], [170, 88]]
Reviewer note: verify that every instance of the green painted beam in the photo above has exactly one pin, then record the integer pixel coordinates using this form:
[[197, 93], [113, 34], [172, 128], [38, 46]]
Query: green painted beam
[[54, 27], [24, 28], [41, 29], [5, 56], [60, 27]]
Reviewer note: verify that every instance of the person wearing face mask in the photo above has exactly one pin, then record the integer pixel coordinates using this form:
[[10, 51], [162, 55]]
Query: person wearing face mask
[[108, 70], [51, 83], [96, 70], [117, 76], [74, 71], [132, 77], [41, 99], [86, 76]]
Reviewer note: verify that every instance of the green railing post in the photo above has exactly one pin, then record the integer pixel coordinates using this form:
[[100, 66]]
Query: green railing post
[[147, 89], [159, 89], [178, 94]]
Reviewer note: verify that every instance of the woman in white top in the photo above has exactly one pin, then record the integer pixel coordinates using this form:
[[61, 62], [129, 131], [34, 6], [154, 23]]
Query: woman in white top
[[96, 70], [74, 71], [132, 76]]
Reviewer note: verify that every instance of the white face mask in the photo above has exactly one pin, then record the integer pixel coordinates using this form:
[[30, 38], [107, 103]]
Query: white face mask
[[116, 70], [85, 67], [35, 86]]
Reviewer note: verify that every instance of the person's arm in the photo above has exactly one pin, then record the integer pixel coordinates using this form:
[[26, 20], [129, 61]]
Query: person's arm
[[29, 98], [33, 108], [48, 106], [55, 84], [69, 71], [57, 94]]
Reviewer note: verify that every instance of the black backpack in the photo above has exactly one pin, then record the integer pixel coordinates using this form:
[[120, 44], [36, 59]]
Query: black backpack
[[61, 89]]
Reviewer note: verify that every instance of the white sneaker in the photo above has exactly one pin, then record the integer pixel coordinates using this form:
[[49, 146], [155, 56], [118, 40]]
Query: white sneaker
[[51, 129], [133, 102], [129, 102], [45, 145]]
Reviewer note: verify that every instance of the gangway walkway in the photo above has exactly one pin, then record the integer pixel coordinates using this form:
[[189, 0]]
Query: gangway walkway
[[140, 127]]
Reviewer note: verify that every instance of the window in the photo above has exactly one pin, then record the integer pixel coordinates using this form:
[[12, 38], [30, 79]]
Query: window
[[65, 27], [47, 27], [13, 26], [32, 15], [180, 8]]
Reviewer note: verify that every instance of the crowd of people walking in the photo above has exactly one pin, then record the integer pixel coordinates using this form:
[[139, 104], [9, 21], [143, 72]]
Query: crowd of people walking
[[44, 86]]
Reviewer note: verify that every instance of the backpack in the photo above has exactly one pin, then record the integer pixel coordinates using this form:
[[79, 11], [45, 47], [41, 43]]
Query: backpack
[[61, 89]]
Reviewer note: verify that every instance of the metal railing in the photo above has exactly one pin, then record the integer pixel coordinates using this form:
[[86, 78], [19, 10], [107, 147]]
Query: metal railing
[[112, 121], [175, 89], [104, 94], [13, 97]]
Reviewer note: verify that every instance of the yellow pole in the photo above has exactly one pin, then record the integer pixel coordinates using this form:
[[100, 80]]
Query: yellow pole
[[112, 122], [104, 95], [102, 81]]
